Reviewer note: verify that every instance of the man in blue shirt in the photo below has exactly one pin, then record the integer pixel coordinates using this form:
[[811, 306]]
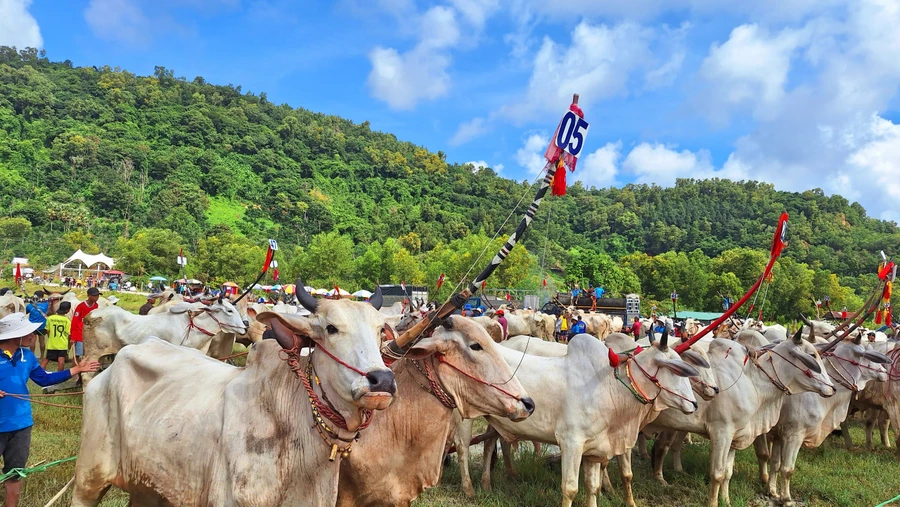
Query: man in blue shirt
[[17, 365], [37, 313], [579, 326]]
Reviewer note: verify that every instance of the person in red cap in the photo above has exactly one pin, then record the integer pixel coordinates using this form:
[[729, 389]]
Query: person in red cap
[[501, 318]]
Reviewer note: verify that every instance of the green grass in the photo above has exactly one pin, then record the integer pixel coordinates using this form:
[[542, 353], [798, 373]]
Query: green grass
[[827, 476]]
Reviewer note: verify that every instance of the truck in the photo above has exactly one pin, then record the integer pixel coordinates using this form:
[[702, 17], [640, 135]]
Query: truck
[[627, 308]]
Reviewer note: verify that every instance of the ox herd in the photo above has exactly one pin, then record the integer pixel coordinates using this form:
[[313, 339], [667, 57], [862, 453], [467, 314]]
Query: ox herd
[[319, 417]]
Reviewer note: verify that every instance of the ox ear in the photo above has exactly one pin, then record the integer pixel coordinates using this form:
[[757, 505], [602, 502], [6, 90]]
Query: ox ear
[[181, 307], [678, 367], [377, 299], [876, 357], [287, 327], [694, 358], [807, 360], [426, 347]]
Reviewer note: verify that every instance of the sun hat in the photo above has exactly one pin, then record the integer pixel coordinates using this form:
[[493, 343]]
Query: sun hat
[[16, 325], [113, 299]]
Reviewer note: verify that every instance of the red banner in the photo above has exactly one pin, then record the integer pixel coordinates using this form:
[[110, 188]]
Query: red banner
[[440, 281]]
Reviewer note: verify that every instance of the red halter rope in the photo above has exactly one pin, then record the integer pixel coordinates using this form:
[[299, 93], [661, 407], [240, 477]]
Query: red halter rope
[[656, 382], [440, 358]]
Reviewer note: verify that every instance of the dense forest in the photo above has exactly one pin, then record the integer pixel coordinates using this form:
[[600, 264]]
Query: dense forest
[[142, 166]]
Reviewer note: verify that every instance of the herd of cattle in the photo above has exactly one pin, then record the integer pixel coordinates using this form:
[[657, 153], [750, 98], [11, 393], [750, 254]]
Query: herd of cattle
[[170, 424]]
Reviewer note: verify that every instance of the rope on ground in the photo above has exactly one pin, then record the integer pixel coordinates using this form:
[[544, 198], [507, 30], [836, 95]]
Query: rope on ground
[[75, 393], [25, 472], [61, 492], [892, 500], [28, 398]]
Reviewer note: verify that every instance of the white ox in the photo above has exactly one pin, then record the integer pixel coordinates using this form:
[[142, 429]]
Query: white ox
[[416, 427], [892, 394], [243, 436], [192, 325], [807, 418], [10, 303], [749, 403], [583, 408]]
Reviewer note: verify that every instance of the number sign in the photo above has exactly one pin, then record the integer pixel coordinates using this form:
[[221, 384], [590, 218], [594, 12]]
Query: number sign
[[182, 261], [572, 133], [273, 244]]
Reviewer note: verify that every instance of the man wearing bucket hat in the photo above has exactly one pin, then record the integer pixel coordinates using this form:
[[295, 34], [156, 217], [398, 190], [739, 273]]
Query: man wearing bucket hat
[[17, 365]]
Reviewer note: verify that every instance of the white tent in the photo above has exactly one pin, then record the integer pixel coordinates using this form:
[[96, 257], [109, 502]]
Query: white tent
[[88, 261]]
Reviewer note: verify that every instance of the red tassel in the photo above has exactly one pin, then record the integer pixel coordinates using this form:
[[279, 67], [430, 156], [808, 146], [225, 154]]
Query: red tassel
[[613, 358], [888, 320], [878, 317], [559, 180]]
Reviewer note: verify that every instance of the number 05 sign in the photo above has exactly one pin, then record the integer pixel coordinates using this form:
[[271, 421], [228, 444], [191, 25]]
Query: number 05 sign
[[571, 133]]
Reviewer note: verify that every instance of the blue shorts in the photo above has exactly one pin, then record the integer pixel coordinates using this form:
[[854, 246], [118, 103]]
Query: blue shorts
[[79, 349]]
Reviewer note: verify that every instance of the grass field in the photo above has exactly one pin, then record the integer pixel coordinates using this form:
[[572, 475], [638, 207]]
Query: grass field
[[827, 476]]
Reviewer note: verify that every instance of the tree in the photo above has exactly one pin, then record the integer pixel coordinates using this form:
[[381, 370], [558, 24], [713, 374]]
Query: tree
[[13, 229], [328, 260]]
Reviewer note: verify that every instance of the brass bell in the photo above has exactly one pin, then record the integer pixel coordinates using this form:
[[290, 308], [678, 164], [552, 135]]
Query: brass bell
[[345, 454]]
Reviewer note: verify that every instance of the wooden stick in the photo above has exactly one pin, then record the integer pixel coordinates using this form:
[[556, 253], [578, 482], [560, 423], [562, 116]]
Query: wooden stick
[[61, 492]]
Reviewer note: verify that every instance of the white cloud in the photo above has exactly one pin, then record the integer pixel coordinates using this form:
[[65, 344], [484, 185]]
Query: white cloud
[[17, 26], [404, 79], [118, 20], [478, 165], [531, 154], [599, 169], [664, 75], [751, 68], [476, 11], [656, 163], [468, 130]]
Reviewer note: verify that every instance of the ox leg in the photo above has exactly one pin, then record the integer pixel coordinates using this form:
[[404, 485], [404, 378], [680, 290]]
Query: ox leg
[[490, 445], [627, 476], [789, 450], [537, 447], [660, 449], [462, 437], [642, 446], [776, 462], [592, 480], [729, 471], [605, 484], [677, 444], [761, 446], [571, 466], [870, 425], [845, 430], [508, 459], [884, 424], [718, 461]]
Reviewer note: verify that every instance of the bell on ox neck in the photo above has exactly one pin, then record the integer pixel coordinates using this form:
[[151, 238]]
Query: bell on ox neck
[[334, 449]]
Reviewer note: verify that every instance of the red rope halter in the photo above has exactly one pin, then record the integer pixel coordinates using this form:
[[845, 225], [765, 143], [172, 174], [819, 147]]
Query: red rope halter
[[440, 358]]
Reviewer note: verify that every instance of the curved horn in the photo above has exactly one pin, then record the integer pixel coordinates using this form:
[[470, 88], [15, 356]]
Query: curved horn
[[221, 296], [377, 298], [805, 320], [664, 341], [858, 339], [306, 300], [798, 336]]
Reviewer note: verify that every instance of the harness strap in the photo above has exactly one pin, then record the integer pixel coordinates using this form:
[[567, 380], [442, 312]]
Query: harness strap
[[442, 359], [841, 379], [436, 389], [777, 383]]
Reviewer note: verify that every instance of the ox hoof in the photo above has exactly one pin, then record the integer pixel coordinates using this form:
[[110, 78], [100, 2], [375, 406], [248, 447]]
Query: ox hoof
[[662, 481], [469, 491]]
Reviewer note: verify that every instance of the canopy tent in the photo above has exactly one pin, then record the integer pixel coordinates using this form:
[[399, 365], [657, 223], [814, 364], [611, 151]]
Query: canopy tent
[[362, 293], [158, 279], [86, 261], [229, 284], [114, 272], [190, 281], [342, 293]]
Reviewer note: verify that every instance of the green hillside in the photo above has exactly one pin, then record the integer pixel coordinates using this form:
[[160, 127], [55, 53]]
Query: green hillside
[[141, 166]]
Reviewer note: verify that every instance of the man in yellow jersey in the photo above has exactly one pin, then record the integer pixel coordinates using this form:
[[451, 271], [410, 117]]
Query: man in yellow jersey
[[58, 329]]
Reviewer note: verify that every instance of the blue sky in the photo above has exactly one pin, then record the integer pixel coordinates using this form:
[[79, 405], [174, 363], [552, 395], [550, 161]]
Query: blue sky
[[802, 94]]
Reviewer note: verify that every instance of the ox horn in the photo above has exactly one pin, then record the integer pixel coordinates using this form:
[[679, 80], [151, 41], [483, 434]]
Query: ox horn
[[664, 341], [858, 339], [377, 299], [306, 300], [798, 336], [805, 320]]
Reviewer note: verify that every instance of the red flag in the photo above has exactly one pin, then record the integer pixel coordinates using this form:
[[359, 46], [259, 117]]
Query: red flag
[[886, 270], [440, 281], [337, 292], [508, 296], [483, 284], [545, 282], [18, 275], [562, 159], [269, 254], [275, 274]]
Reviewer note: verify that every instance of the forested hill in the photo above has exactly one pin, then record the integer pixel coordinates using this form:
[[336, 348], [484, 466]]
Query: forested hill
[[89, 155]]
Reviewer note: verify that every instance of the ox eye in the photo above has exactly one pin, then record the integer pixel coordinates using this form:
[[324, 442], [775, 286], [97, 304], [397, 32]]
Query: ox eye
[[475, 346], [331, 329]]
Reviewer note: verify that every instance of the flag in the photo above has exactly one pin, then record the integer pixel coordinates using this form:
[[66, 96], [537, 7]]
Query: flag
[[483, 284], [780, 236], [545, 282], [403, 286], [556, 155], [275, 274], [269, 255], [337, 292], [18, 275], [508, 297], [440, 281]]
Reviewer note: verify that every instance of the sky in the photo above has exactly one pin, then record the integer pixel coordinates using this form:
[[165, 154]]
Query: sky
[[802, 94]]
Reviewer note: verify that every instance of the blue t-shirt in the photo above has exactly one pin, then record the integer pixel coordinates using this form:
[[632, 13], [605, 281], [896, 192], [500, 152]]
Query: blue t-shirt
[[36, 316], [598, 292], [15, 414], [579, 327]]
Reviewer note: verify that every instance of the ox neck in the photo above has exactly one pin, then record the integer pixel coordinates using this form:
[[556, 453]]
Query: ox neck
[[765, 378], [425, 375], [845, 374]]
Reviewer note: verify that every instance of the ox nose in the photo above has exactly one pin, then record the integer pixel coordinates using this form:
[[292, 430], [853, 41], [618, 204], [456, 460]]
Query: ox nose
[[381, 381], [716, 389], [529, 404], [246, 324]]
